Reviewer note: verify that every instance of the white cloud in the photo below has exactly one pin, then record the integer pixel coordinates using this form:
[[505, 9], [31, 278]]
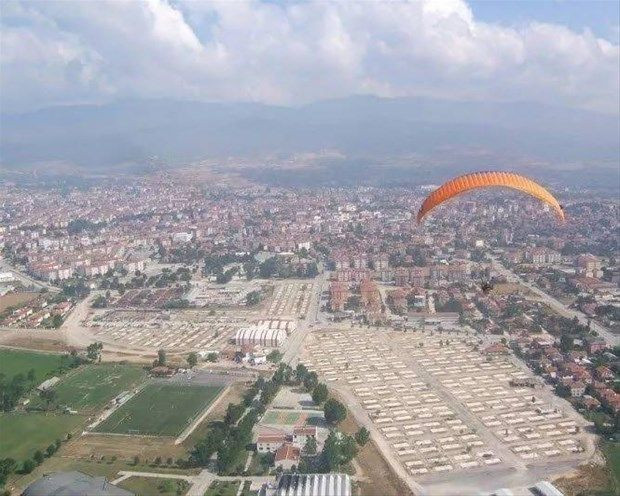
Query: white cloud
[[71, 51]]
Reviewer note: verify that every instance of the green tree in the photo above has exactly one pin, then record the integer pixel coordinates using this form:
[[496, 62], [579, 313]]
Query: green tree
[[93, 351], [310, 446], [7, 467], [310, 381], [161, 357], [233, 413], [275, 356], [330, 456], [319, 394], [253, 298], [335, 412], [348, 449], [212, 357], [362, 436], [300, 372], [51, 449], [49, 395], [192, 360], [38, 457], [28, 466]]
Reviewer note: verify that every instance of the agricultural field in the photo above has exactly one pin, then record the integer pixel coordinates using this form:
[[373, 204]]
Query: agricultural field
[[24, 433], [92, 386], [13, 362], [160, 409]]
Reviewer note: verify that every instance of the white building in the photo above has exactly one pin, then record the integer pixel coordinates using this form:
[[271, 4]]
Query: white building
[[269, 338], [269, 443]]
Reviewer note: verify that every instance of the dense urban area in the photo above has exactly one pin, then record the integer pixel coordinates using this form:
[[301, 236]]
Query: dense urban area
[[162, 335]]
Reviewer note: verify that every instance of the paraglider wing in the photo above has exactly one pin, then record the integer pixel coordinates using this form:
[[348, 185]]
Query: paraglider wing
[[476, 180]]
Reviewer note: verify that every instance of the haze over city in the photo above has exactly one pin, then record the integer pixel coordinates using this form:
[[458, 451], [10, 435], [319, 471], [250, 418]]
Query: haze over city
[[325, 248]]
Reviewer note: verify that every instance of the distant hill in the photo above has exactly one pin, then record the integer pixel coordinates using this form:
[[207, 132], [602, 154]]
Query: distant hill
[[365, 128]]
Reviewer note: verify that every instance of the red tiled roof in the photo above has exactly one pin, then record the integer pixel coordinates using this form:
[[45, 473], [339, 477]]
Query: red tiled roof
[[287, 452]]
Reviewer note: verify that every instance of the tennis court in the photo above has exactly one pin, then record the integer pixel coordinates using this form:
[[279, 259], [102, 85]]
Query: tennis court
[[277, 417]]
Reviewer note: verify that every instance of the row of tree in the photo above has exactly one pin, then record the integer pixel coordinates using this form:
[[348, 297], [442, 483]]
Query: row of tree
[[339, 448], [229, 438]]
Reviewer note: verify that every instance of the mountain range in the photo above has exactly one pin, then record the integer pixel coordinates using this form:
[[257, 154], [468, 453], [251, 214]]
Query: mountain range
[[364, 128]]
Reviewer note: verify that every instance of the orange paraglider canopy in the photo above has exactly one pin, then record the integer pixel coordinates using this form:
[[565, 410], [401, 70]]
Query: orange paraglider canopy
[[476, 180]]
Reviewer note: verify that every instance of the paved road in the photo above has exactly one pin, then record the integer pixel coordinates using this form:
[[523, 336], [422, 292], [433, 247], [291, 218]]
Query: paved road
[[610, 338], [293, 344]]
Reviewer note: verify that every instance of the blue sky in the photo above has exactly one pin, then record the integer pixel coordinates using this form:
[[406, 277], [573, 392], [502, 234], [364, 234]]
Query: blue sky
[[600, 16]]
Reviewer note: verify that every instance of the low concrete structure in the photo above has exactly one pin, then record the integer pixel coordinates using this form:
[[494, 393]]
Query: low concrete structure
[[72, 483]]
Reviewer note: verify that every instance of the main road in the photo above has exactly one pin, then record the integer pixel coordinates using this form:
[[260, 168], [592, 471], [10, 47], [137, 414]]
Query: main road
[[293, 344], [610, 338]]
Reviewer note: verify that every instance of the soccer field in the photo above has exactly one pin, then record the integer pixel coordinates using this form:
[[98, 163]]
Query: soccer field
[[92, 386], [14, 362], [160, 409]]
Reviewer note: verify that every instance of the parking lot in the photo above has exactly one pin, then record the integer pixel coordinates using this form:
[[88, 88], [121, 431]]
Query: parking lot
[[444, 407]]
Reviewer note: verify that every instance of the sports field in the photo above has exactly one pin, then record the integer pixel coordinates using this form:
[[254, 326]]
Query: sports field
[[275, 417], [92, 386], [160, 409], [14, 362], [21, 434]]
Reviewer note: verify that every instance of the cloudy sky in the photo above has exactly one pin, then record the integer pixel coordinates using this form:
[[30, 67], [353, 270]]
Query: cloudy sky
[[565, 53]]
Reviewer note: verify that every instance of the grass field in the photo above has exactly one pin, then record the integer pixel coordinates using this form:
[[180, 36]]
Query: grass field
[[160, 409], [60, 462], [151, 486], [92, 386], [612, 455], [13, 362], [283, 418], [24, 433], [223, 488]]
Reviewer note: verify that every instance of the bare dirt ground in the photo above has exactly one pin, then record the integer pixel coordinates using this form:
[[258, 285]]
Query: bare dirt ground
[[16, 299], [40, 339], [124, 447], [376, 475], [586, 479]]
